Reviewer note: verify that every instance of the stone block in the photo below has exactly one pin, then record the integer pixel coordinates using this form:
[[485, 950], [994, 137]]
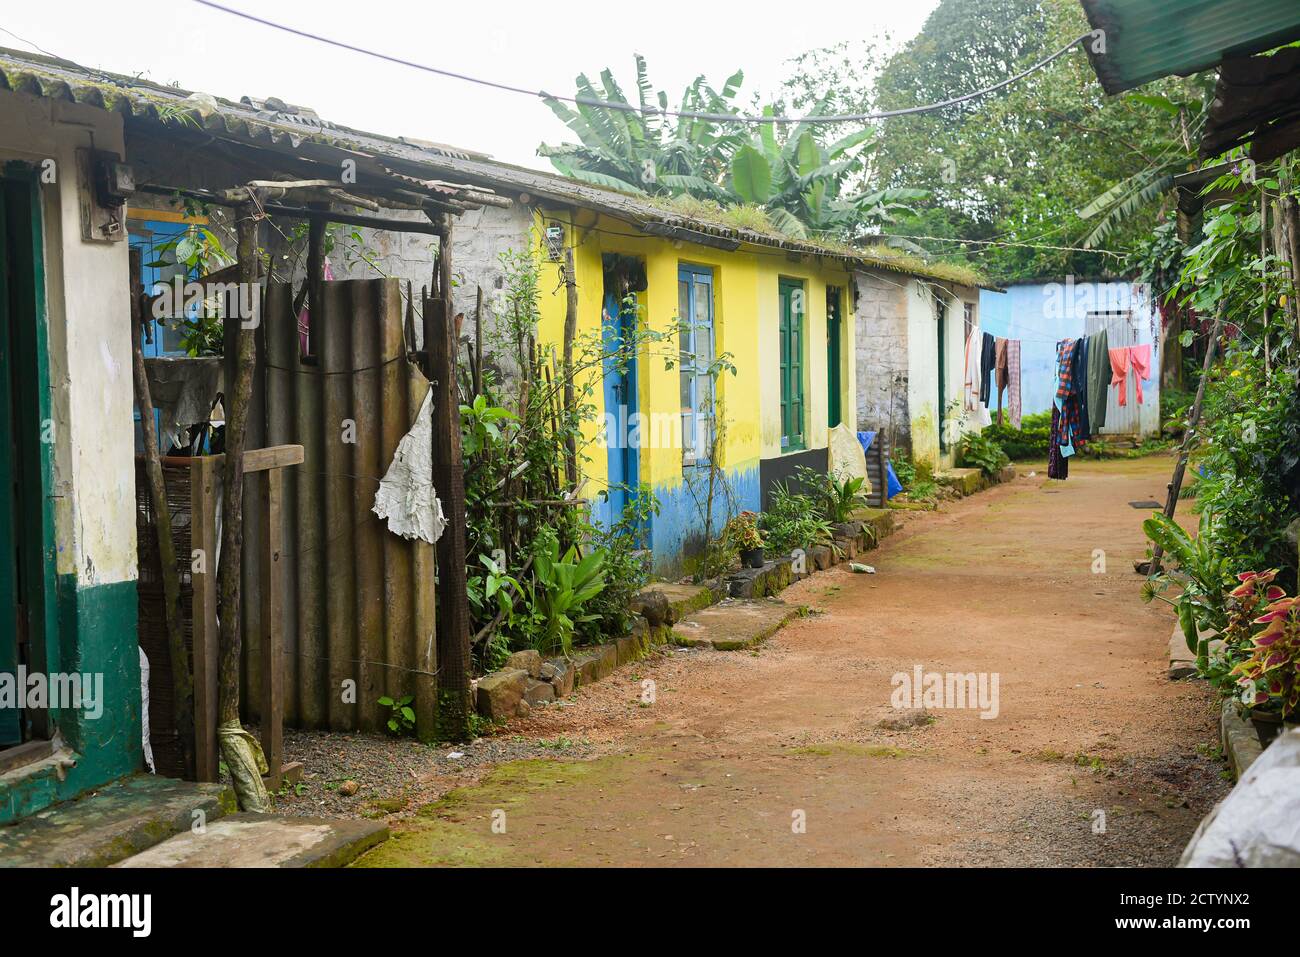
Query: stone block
[[538, 692], [529, 661], [561, 675], [499, 694], [652, 604]]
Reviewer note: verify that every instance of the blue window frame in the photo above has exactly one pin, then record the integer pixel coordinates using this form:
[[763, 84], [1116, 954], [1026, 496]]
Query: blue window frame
[[695, 359], [155, 240]]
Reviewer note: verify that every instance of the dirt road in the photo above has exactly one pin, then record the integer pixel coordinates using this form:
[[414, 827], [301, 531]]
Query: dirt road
[[1094, 757]]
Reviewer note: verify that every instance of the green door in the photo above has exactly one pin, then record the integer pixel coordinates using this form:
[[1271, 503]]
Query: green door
[[833, 412], [941, 324], [792, 363], [26, 441], [13, 631]]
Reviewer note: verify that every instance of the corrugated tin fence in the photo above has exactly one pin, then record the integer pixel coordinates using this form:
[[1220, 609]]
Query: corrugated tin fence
[[1129, 328], [358, 600]]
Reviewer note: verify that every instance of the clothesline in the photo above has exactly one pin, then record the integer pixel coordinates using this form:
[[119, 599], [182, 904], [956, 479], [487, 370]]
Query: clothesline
[[1052, 339]]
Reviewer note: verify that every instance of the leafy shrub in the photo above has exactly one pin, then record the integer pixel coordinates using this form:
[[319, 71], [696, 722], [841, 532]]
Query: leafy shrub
[[977, 450], [1249, 462], [838, 498], [626, 568], [562, 586], [401, 716], [793, 520], [1029, 442]]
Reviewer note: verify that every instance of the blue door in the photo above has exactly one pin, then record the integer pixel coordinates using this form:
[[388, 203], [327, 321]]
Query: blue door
[[621, 408]]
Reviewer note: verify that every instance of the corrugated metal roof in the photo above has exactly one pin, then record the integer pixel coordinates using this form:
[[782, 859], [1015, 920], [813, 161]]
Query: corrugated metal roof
[[1149, 39], [273, 124]]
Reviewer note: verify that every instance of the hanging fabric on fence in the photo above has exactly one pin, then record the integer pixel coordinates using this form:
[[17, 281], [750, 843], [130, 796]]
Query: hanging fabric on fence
[[1121, 360]]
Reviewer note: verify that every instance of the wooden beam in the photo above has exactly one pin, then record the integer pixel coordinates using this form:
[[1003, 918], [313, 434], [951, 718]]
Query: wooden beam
[[272, 626], [452, 626], [203, 540], [274, 457]]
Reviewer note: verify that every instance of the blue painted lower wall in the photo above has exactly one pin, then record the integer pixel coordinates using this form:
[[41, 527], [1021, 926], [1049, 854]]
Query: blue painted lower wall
[[677, 532]]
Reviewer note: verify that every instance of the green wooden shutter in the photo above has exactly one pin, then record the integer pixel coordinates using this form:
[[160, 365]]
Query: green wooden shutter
[[791, 340]]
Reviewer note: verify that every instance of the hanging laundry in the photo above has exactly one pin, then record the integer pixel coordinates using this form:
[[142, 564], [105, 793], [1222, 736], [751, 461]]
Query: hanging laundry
[[1066, 401], [988, 359], [1058, 466], [1098, 378], [1013, 382], [971, 379], [1121, 360], [1080, 385]]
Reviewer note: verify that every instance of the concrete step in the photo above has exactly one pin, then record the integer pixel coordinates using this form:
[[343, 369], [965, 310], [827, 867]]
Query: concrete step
[[118, 820], [266, 840], [734, 624]]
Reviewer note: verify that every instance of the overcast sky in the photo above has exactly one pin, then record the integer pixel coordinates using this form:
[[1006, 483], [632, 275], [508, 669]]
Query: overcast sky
[[529, 44]]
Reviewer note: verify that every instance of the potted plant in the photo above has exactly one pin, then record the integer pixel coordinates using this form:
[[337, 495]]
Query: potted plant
[[1270, 676], [744, 533]]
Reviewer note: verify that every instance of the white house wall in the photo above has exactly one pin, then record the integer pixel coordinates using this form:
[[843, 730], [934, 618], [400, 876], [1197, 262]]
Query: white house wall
[[89, 323]]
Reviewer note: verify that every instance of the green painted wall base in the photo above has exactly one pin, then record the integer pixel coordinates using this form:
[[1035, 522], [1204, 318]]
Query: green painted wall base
[[97, 632]]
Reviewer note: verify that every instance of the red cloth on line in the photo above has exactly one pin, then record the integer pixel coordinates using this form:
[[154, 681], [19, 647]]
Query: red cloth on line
[[1121, 360]]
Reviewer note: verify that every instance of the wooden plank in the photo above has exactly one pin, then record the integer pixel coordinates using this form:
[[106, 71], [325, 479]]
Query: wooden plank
[[272, 710], [275, 457], [27, 753], [203, 532]]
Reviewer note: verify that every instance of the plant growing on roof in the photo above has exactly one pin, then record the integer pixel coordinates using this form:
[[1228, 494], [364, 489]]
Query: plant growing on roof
[[644, 151], [806, 188]]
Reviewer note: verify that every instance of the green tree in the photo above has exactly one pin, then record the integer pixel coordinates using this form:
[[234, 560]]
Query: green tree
[[1009, 172]]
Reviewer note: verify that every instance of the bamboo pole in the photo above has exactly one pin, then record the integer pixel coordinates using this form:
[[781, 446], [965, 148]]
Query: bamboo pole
[[1180, 468], [182, 679], [570, 331]]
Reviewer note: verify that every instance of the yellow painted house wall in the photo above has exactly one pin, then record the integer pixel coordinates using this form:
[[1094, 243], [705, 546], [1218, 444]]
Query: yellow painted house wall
[[746, 323]]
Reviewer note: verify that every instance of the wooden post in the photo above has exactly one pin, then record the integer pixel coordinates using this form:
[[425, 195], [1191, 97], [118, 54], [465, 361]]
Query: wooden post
[[452, 626], [182, 683], [1180, 468], [272, 710], [238, 396], [203, 539], [570, 331]]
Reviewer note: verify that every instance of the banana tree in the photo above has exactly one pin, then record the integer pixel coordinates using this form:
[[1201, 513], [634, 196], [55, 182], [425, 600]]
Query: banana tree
[[641, 150], [806, 189]]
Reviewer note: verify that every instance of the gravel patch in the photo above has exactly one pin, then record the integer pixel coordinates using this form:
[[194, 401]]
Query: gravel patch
[[395, 776]]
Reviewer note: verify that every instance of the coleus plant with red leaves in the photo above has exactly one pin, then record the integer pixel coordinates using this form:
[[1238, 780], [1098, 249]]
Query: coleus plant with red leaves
[[1271, 674]]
